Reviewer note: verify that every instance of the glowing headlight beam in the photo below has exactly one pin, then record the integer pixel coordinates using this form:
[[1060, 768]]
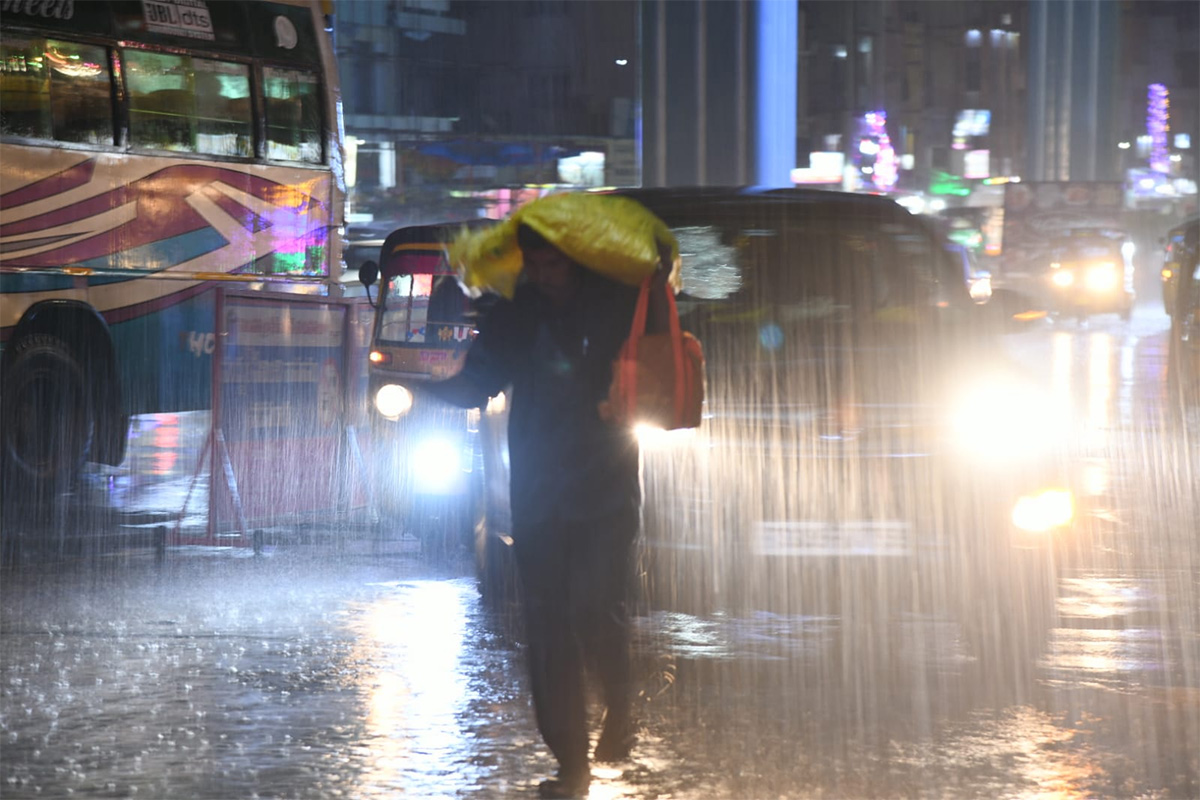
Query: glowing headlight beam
[[437, 465], [1101, 277], [998, 419], [652, 437], [1045, 511]]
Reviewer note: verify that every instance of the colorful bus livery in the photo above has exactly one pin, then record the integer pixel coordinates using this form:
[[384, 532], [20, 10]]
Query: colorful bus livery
[[151, 152], [64, 236], [197, 217]]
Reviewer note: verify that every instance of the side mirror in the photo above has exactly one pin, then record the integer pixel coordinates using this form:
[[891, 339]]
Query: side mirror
[[368, 273]]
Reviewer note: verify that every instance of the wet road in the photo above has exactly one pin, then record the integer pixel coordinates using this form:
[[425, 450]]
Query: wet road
[[317, 670]]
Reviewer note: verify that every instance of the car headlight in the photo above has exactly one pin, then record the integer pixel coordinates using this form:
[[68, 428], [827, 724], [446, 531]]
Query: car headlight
[[1063, 278], [1005, 419], [1044, 511], [1101, 277], [436, 464], [393, 401], [652, 437]]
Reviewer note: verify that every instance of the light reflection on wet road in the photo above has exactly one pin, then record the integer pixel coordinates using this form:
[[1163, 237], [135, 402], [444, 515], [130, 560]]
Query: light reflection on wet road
[[294, 675], [311, 672]]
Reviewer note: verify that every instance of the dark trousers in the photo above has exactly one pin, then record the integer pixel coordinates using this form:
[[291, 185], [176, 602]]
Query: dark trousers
[[575, 583]]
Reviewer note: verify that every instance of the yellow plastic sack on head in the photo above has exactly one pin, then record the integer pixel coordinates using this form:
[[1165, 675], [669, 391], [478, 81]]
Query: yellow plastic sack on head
[[615, 236]]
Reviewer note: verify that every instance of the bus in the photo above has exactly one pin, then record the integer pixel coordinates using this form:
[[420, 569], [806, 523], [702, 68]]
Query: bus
[[154, 155]]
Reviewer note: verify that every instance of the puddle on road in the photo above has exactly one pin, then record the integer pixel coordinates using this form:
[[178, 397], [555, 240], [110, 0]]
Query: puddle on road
[[230, 677]]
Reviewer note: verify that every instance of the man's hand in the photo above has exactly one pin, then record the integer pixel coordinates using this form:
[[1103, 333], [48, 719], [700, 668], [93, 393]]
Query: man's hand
[[665, 265]]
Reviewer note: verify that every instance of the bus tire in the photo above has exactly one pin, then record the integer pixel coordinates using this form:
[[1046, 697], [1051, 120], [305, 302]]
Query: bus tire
[[46, 419]]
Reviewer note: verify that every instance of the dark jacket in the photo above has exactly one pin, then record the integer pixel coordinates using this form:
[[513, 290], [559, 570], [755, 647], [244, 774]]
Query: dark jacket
[[565, 463]]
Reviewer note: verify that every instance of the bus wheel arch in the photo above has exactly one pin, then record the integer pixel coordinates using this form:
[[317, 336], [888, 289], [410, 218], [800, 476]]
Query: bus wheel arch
[[72, 337], [47, 413]]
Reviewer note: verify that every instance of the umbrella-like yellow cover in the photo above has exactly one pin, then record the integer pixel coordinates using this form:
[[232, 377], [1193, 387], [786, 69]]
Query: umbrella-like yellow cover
[[611, 234]]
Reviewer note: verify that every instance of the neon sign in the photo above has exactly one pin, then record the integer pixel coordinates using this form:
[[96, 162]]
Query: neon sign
[[886, 169], [1158, 123]]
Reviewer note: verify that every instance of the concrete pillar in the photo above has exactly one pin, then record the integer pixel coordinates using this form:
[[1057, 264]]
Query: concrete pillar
[[719, 84]]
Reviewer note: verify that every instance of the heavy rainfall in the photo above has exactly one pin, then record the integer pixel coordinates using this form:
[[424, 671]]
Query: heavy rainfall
[[935, 534]]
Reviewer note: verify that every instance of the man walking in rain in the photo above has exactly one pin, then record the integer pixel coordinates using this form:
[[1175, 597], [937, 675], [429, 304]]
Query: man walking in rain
[[575, 492]]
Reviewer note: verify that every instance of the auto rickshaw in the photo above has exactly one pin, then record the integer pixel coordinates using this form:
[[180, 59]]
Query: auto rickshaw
[[425, 454]]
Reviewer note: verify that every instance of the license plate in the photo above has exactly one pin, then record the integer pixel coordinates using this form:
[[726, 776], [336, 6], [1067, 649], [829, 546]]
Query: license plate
[[847, 538]]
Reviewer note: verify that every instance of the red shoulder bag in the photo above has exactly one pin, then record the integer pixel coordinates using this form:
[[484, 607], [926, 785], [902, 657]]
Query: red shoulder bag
[[658, 378]]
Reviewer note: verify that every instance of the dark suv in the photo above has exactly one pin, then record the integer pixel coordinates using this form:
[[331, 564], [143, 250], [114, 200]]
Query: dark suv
[[865, 447]]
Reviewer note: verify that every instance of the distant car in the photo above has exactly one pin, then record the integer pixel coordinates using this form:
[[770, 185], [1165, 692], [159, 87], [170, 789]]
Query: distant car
[[1183, 349], [865, 444], [1176, 254], [1091, 274]]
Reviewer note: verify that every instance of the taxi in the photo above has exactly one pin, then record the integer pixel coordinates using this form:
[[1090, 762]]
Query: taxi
[[1092, 273], [866, 448]]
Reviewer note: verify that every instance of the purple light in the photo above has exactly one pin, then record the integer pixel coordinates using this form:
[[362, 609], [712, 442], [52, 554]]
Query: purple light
[[1158, 123], [886, 170]]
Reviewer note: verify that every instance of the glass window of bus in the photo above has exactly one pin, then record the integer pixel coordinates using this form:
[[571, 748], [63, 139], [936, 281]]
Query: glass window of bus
[[293, 110], [406, 308], [52, 89], [223, 108], [191, 105]]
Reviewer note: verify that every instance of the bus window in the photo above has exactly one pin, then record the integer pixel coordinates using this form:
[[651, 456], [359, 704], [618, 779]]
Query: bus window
[[57, 90], [191, 105], [293, 101], [223, 109]]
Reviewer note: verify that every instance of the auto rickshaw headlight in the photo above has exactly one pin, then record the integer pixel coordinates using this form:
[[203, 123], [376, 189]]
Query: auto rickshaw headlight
[[393, 401], [1063, 278], [1101, 277]]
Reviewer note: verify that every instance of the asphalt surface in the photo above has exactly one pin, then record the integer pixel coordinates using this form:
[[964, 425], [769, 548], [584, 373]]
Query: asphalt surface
[[338, 663]]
